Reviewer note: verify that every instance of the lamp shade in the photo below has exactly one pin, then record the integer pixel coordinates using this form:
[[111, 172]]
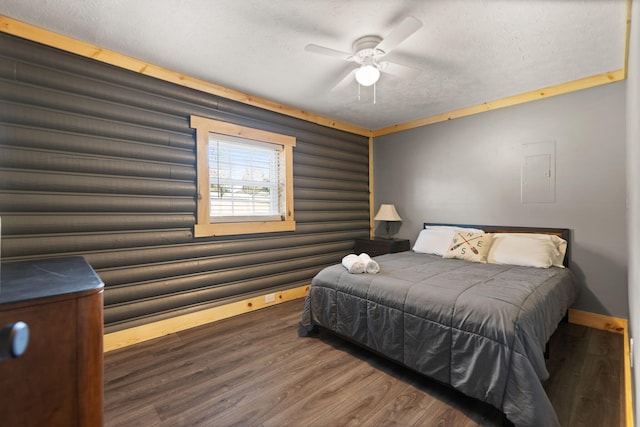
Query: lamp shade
[[387, 213], [367, 75]]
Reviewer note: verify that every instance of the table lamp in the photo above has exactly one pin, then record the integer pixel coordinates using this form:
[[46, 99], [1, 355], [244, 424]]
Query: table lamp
[[387, 213]]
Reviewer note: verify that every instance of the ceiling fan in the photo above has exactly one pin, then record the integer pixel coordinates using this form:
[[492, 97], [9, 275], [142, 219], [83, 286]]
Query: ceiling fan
[[368, 52]]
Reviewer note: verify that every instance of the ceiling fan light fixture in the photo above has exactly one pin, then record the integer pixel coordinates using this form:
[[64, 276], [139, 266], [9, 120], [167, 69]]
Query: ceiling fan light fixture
[[367, 75]]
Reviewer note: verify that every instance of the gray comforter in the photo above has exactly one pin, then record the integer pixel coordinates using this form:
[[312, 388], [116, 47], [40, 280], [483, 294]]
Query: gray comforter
[[480, 328]]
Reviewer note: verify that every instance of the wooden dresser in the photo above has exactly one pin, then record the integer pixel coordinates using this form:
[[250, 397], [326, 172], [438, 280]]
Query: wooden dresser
[[58, 381]]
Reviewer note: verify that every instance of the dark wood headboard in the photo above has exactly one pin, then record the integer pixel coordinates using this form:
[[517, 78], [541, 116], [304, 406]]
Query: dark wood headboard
[[564, 233]]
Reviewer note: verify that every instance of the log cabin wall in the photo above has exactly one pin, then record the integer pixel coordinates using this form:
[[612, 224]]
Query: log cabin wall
[[99, 161]]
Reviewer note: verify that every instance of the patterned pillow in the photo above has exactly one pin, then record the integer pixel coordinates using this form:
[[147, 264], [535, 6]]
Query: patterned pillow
[[469, 246]]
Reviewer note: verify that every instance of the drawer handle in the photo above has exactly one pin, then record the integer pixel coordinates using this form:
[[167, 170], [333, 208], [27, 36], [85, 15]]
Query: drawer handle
[[14, 339]]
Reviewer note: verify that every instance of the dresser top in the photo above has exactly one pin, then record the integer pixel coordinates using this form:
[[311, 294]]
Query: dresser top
[[44, 278]]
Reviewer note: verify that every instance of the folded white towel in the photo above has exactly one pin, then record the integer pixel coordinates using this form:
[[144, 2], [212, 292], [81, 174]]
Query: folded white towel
[[353, 264], [370, 266]]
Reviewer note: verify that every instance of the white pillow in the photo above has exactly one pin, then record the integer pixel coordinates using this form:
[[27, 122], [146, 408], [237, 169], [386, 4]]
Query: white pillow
[[527, 249], [434, 242], [452, 228]]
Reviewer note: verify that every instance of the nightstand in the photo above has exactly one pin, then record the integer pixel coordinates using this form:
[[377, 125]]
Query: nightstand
[[380, 246]]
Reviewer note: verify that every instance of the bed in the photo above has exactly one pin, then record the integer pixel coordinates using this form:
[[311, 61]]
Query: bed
[[479, 327]]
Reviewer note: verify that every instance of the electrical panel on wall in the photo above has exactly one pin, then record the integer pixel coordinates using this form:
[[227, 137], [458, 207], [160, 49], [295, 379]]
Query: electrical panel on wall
[[538, 176]]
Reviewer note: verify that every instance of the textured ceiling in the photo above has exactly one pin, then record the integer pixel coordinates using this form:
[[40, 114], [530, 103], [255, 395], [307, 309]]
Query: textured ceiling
[[469, 51]]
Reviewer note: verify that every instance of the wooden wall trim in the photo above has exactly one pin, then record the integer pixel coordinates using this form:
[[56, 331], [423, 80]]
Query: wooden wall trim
[[68, 44], [138, 334], [371, 198], [598, 321], [585, 83], [628, 392], [627, 36]]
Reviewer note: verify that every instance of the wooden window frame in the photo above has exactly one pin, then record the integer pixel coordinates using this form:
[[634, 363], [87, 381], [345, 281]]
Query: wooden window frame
[[204, 227]]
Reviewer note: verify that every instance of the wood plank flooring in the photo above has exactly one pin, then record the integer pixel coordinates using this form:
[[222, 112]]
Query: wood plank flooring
[[253, 370]]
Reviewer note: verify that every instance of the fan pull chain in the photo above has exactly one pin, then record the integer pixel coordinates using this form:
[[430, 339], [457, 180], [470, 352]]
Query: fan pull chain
[[374, 92]]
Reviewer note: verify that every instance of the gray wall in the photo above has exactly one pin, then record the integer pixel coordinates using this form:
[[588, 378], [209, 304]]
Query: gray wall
[[633, 180], [100, 162], [468, 171]]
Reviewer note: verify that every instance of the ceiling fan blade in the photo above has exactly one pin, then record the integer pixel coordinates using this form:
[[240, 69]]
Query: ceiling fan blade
[[403, 71], [328, 51], [399, 34], [345, 81]]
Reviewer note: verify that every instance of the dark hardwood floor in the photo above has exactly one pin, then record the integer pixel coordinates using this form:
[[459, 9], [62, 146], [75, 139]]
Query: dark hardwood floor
[[253, 370]]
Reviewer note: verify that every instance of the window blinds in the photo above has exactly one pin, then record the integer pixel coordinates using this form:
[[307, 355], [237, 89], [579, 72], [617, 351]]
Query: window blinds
[[246, 180]]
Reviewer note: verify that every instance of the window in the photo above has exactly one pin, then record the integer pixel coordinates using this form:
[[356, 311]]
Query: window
[[244, 179]]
